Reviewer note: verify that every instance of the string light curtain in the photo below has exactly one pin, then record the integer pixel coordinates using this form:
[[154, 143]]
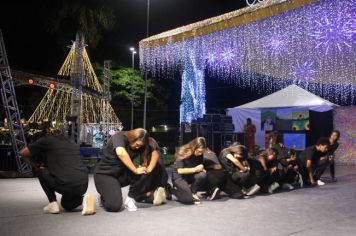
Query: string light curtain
[[266, 47]]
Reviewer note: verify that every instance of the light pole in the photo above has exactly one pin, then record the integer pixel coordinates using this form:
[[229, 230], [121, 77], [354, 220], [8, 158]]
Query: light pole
[[133, 52], [145, 96]]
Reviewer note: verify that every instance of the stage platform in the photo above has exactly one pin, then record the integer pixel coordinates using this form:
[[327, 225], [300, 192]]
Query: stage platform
[[328, 210]]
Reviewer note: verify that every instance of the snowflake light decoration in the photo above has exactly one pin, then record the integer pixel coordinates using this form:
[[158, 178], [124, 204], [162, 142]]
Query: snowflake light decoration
[[275, 44], [227, 56], [303, 70], [334, 33]]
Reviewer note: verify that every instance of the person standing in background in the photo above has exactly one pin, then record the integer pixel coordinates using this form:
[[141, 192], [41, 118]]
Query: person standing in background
[[333, 145], [249, 130]]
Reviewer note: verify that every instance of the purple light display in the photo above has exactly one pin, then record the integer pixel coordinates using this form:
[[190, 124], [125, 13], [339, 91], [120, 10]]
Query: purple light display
[[313, 44], [304, 70], [334, 33]]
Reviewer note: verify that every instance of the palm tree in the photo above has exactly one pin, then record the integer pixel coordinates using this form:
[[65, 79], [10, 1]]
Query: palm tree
[[90, 17]]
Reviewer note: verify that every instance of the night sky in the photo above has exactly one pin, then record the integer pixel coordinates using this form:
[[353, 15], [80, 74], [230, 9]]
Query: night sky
[[31, 48]]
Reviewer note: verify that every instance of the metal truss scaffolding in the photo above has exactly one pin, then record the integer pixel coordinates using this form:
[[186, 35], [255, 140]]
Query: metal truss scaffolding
[[8, 96]]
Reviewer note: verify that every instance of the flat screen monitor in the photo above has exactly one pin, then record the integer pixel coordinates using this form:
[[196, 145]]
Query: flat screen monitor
[[294, 140]]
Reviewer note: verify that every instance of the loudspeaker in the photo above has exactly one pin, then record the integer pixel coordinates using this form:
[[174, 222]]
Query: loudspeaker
[[216, 142]]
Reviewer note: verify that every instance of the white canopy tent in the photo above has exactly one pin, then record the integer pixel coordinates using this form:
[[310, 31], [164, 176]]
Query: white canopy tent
[[289, 97]]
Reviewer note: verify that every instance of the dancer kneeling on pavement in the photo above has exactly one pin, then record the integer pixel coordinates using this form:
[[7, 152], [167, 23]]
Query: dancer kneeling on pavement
[[218, 179], [268, 167], [60, 170], [289, 171], [189, 174], [116, 170], [287, 166], [313, 162], [235, 161]]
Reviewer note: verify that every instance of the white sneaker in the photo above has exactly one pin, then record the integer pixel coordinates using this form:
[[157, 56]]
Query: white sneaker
[[88, 205], [320, 183], [253, 190], [287, 186], [244, 191], [300, 180], [273, 187], [196, 199], [130, 204], [52, 208], [159, 196]]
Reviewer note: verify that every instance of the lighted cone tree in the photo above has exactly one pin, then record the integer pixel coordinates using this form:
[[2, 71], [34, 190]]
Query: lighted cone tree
[[56, 104]]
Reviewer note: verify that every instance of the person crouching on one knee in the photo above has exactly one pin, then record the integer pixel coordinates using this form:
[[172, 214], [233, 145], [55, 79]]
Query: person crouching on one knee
[[116, 169], [313, 161], [218, 179], [189, 174], [234, 159], [269, 166], [61, 169]]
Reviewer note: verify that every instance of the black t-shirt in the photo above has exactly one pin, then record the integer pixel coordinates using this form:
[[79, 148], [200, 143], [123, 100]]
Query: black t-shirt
[[189, 162], [110, 163], [226, 163], [210, 159], [310, 153], [282, 151], [332, 148], [62, 158]]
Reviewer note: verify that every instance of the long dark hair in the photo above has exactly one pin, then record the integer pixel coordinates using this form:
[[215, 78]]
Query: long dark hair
[[336, 132], [236, 149], [188, 149], [275, 136], [140, 134]]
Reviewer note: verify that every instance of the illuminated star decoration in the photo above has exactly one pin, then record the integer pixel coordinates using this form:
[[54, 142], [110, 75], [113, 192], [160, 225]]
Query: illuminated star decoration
[[227, 56], [276, 44], [303, 70], [211, 59], [334, 33]]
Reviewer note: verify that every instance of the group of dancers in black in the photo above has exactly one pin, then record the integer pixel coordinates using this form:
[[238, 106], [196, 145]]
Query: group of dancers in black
[[197, 172]]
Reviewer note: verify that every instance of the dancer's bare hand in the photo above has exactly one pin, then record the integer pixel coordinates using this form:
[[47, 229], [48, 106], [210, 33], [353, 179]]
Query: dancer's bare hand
[[199, 168], [141, 170]]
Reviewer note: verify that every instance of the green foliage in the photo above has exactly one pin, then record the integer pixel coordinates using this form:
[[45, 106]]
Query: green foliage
[[128, 85]]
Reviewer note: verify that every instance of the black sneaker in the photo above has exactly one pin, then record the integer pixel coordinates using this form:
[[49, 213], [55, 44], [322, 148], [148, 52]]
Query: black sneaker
[[215, 194], [333, 179]]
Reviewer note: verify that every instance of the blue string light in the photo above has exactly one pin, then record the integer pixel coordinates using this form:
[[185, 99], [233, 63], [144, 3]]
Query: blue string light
[[193, 91]]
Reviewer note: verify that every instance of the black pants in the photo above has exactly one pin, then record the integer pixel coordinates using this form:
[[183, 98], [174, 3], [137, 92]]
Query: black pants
[[332, 168], [242, 179], [72, 195], [109, 186], [317, 170], [260, 177], [183, 191], [204, 182], [288, 176], [149, 183], [257, 174], [222, 180]]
